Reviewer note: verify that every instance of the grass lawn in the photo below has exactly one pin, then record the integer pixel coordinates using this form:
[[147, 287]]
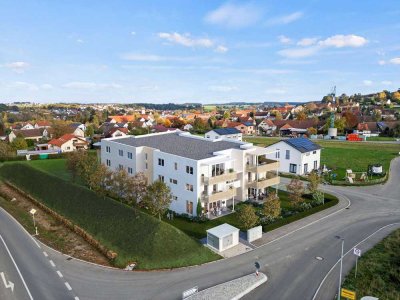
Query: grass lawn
[[381, 138], [56, 167], [378, 271]]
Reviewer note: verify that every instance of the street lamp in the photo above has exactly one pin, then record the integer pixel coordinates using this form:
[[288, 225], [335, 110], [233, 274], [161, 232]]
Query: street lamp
[[33, 211], [341, 265]]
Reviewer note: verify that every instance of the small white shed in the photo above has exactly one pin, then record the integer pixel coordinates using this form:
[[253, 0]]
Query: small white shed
[[223, 237]]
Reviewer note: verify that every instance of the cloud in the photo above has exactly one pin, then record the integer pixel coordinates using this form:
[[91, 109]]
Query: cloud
[[24, 85], [222, 88], [307, 42], [133, 33], [80, 41], [46, 86], [276, 91], [367, 82], [381, 62], [90, 85], [186, 40], [17, 66], [386, 82], [221, 49], [284, 39], [299, 52], [153, 57], [395, 61], [286, 19], [340, 41], [234, 15]]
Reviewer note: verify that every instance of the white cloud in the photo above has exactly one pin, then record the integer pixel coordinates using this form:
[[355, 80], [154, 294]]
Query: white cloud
[[221, 49], [395, 61], [276, 91], [153, 57], [80, 41], [90, 85], [17, 66], [299, 52], [46, 86], [133, 33], [381, 62], [234, 15], [386, 82], [307, 42], [286, 19], [222, 88], [284, 39], [367, 82], [186, 40], [340, 41]]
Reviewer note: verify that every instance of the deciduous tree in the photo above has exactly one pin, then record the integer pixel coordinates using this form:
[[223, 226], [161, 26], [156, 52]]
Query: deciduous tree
[[247, 216], [272, 207], [295, 189], [158, 198], [313, 182], [19, 143]]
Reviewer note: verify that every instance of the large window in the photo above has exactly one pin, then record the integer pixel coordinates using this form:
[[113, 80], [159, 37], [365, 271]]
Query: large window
[[278, 153], [130, 156], [121, 152], [305, 168], [218, 169], [108, 149], [130, 170], [161, 162], [287, 154], [189, 207], [293, 168], [189, 170], [120, 167], [161, 178], [108, 163], [315, 164]]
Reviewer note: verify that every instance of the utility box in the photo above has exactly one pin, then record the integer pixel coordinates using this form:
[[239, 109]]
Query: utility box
[[222, 237]]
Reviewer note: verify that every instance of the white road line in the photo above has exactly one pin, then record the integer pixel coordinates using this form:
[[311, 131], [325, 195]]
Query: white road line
[[19, 273], [52, 263], [76, 298], [351, 250], [68, 286], [45, 253], [59, 274]]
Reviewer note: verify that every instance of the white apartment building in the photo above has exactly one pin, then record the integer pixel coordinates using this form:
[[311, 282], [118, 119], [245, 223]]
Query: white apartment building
[[297, 155], [215, 172]]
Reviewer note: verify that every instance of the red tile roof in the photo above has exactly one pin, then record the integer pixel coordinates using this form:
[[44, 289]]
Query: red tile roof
[[62, 140]]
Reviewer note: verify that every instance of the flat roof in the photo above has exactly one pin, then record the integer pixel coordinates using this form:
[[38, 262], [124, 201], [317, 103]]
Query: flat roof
[[222, 230], [180, 144]]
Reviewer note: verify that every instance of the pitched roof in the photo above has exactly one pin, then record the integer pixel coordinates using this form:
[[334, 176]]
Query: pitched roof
[[43, 123], [248, 124], [114, 129], [302, 144], [180, 144], [27, 133], [62, 140], [122, 119], [226, 131]]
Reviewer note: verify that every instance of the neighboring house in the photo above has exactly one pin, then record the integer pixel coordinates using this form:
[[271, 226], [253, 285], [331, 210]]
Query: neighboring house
[[34, 134], [266, 126], [76, 126], [214, 172], [161, 128], [42, 124], [116, 132], [246, 128], [188, 127], [297, 155], [68, 142], [121, 119], [226, 133]]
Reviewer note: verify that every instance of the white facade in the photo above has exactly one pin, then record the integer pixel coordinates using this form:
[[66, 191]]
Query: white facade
[[214, 136], [214, 181], [294, 161], [223, 237]]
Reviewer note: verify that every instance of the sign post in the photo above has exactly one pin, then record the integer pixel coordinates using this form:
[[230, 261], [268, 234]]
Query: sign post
[[357, 253], [348, 294], [33, 211]]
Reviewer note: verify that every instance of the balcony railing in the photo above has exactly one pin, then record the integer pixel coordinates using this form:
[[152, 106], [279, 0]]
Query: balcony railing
[[227, 176], [265, 166], [220, 195], [264, 182]]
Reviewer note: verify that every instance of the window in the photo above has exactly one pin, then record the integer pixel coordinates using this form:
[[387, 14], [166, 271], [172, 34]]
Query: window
[[189, 170], [218, 169], [315, 164], [161, 162], [176, 166], [120, 167], [208, 136], [305, 168], [108, 149], [278, 153], [108, 162], [145, 156], [287, 154], [146, 166], [292, 168], [130, 170], [121, 152], [314, 152], [130, 156], [189, 207], [173, 181], [174, 198], [189, 187], [161, 178]]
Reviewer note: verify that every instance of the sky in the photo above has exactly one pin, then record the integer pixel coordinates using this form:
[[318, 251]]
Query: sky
[[196, 51]]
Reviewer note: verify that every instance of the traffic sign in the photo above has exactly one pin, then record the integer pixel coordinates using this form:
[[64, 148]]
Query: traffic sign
[[357, 252], [348, 294], [32, 211]]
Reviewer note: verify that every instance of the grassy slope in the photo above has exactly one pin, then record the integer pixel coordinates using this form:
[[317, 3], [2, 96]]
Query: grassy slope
[[378, 272], [56, 167], [135, 236]]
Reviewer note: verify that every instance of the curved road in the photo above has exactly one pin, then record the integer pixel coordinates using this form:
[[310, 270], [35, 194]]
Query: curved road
[[289, 262]]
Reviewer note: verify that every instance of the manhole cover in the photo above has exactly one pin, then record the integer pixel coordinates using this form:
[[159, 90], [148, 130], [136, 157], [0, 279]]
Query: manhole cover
[[347, 207], [69, 258], [319, 258]]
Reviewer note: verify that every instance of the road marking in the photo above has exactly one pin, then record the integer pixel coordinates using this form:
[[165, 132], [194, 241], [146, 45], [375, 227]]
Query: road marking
[[9, 284], [76, 298], [351, 250], [45, 253], [68, 286], [15, 264], [59, 274], [52, 263]]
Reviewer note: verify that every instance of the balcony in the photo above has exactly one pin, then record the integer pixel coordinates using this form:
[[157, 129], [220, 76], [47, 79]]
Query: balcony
[[228, 176], [220, 195], [264, 182], [265, 166]]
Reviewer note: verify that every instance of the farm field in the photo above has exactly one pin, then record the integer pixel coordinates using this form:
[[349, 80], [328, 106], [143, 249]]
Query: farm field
[[132, 234]]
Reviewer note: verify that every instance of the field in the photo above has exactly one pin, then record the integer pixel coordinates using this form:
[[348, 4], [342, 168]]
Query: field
[[378, 270], [132, 234], [56, 167], [347, 155]]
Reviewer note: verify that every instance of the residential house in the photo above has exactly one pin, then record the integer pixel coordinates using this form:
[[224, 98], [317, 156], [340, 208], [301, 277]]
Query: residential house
[[34, 134], [117, 132], [266, 127], [218, 173], [68, 143], [42, 124], [188, 127], [224, 133], [297, 155], [247, 128]]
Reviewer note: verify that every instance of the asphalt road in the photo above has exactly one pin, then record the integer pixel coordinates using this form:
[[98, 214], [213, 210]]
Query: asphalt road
[[289, 262]]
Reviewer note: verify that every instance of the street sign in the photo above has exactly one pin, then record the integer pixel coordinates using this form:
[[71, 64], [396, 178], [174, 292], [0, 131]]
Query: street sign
[[190, 292], [348, 294], [357, 252], [33, 211]]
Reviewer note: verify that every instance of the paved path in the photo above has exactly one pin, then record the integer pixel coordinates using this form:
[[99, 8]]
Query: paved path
[[289, 261]]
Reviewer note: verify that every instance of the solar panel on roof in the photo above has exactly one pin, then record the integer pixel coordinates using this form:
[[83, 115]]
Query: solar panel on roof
[[303, 144]]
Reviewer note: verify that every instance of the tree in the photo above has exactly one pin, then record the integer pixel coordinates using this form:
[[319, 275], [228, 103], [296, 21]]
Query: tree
[[89, 131], [295, 189], [351, 119], [377, 115], [167, 123], [19, 143], [158, 198], [137, 187], [199, 208], [177, 122], [87, 164], [227, 115], [278, 115], [272, 207], [119, 184], [247, 216], [313, 183], [301, 116], [200, 126], [5, 150], [59, 128], [311, 130], [73, 161], [100, 179]]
